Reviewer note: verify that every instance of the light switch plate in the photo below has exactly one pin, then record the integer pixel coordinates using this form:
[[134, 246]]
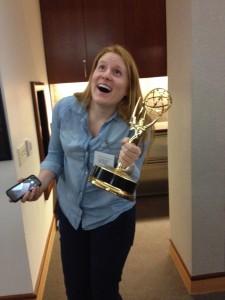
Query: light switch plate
[[22, 153], [28, 147]]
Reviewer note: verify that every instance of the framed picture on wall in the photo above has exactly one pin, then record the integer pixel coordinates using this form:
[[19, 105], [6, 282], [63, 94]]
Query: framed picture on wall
[[5, 150]]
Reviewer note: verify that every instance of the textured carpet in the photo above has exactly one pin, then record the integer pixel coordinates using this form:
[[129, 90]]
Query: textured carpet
[[149, 273]]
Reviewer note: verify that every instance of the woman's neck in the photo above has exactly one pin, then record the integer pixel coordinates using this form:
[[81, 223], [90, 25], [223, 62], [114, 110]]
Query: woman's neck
[[97, 116]]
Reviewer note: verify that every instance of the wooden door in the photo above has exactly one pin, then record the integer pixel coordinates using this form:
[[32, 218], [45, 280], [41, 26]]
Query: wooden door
[[146, 35], [104, 26], [64, 40]]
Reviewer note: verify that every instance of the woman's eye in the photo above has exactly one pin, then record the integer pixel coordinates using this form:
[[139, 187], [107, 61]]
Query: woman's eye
[[101, 67], [118, 72]]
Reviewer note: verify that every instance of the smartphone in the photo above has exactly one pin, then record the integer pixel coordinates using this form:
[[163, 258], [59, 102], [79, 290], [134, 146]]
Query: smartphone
[[16, 192]]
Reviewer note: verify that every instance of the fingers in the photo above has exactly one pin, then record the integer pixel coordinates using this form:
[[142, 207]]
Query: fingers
[[129, 153], [32, 195]]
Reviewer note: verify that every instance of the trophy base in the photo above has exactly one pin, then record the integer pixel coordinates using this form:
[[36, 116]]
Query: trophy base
[[113, 180]]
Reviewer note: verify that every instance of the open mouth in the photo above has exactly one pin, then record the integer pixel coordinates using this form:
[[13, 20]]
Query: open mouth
[[104, 88]]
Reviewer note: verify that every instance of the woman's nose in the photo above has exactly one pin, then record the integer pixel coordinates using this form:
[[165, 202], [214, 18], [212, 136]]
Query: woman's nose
[[107, 73]]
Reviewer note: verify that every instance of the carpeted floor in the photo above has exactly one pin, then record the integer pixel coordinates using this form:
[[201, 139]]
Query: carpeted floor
[[149, 273]]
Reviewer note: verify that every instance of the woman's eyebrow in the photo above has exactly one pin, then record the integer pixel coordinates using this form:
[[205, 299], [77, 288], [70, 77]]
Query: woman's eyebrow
[[101, 61]]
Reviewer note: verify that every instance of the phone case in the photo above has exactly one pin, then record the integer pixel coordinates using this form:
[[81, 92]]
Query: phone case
[[16, 192]]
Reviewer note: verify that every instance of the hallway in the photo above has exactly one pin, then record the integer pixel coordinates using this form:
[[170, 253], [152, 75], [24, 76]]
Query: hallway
[[149, 273]]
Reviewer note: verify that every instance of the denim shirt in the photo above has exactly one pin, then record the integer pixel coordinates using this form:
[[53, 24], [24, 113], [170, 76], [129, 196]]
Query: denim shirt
[[70, 157]]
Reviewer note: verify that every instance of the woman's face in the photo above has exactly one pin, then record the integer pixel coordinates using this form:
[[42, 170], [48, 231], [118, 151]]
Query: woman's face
[[109, 82]]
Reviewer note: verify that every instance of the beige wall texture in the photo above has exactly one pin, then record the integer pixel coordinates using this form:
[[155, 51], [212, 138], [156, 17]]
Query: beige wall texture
[[196, 141]]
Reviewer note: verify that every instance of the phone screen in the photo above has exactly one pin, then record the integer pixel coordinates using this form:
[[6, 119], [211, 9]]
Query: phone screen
[[17, 191]]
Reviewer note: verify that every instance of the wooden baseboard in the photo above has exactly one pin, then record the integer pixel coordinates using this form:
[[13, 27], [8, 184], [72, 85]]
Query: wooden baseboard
[[40, 285], [195, 285], [19, 297]]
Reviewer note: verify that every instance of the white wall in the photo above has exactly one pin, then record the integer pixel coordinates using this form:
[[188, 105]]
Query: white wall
[[196, 141], [23, 227]]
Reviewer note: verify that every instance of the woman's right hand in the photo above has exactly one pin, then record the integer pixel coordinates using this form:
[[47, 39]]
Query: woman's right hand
[[45, 176], [33, 194]]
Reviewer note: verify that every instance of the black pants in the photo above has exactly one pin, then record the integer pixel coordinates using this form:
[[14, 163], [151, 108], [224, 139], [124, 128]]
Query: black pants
[[93, 260]]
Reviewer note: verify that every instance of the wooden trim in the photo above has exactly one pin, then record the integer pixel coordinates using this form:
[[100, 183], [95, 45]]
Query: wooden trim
[[195, 285], [42, 124], [40, 284], [19, 297]]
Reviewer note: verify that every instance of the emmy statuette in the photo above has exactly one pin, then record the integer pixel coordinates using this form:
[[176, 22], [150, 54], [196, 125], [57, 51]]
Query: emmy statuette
[[115, 180]]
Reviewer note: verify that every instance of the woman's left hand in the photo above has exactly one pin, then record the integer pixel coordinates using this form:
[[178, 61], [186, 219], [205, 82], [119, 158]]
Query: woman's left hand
[[129, 153]]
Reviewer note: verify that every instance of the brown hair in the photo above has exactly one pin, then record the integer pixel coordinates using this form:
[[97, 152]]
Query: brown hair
[[126, 106]]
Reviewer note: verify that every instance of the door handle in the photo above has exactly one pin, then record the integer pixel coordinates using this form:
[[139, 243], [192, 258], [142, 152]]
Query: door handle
[[85, 68]]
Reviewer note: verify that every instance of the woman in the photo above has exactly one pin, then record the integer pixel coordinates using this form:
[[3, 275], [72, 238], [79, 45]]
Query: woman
[[96, 227]]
